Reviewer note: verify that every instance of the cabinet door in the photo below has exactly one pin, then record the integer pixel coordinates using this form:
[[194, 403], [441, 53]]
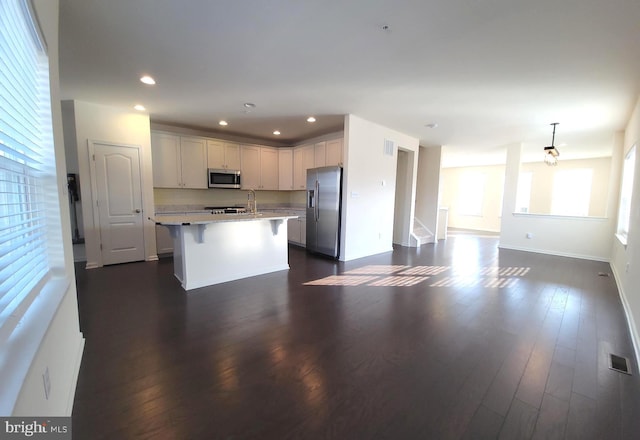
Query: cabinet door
[[215, 154], [285, 169], [250, 169], [303, 231], [293, 230], [319, 151], [268, 168], [164, 242], [193, 152], [232, 156], [303, 159], [334, 152], [165, 160]]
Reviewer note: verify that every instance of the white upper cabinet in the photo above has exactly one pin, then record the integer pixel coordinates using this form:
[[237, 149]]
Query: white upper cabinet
[[303, 159], [182, 162], [193, 153], [319, 150], [165, 160], [178, 161], [250, 169], [285, 169], [334, 153], [268, 168], [259, 167], [223, 155]]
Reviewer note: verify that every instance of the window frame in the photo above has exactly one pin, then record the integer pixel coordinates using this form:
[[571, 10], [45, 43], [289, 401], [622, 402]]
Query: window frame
[[25, 330], [626, 194]]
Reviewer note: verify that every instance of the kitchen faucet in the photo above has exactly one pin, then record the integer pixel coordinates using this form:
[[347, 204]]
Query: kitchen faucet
[[252, 207]]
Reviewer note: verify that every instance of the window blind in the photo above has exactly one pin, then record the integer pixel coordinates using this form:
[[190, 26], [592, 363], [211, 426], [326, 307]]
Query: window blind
[[27, 161]]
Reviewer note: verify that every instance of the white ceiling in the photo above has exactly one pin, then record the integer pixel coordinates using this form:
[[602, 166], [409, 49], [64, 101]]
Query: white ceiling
[[488, 72]]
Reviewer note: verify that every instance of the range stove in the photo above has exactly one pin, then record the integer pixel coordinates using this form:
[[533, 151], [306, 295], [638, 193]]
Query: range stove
[[226, 210]]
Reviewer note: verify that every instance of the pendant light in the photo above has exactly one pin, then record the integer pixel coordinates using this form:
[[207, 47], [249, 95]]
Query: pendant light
[[550, 153]]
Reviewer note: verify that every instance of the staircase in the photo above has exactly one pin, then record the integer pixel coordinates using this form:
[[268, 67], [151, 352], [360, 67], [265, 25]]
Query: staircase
[[421, 234]]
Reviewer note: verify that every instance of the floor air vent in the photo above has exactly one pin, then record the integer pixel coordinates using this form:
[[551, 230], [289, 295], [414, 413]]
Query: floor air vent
[[603, 274], [619, 363]]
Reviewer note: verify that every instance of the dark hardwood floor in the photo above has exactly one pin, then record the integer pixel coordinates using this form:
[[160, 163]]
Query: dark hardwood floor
[[467, 341]]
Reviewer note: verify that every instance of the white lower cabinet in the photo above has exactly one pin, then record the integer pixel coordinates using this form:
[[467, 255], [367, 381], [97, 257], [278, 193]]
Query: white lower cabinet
[[164, 242], [297, 229]]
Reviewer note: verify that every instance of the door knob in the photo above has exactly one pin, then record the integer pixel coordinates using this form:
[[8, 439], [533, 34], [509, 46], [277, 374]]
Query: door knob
[[138, 211]]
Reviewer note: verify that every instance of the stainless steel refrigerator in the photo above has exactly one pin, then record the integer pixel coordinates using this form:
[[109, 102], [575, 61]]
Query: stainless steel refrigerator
[[324, 190]]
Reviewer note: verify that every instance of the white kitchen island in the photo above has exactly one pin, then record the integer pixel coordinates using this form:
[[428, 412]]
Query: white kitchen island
[[215, 248]]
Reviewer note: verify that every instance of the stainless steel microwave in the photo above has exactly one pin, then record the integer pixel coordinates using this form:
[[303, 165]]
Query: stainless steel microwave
[[219, 178]]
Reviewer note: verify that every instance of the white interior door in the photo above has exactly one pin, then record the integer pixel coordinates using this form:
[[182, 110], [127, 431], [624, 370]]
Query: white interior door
[[119, 202]]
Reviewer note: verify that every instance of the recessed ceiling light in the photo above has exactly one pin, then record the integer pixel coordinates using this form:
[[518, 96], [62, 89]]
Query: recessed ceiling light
[[249, 105], [223, 123], [139, 107], [311, 119], [148, 80], [277, 133], [431, 125]]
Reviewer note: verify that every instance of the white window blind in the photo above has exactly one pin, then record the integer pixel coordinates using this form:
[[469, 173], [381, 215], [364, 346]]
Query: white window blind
[[27, 162]]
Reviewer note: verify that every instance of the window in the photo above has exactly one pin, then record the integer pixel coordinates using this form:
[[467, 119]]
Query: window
[[523, 197], [471, 196], [30, 239], [626, 190], [571, 192]]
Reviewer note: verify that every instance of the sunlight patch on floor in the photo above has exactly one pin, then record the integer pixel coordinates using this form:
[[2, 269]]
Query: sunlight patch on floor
[[376, 269], [341, 280], [400, 275], [398, 281]]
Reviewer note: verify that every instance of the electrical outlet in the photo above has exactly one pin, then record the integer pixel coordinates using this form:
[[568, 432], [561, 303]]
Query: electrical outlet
[[529, 235], [47, 383]]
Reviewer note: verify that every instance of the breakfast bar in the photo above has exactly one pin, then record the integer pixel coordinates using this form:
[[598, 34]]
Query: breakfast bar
[[216, 248]]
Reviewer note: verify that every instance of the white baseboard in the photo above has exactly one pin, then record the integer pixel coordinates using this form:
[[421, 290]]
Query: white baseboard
[[631, 323], [558, 254], [74, 379]]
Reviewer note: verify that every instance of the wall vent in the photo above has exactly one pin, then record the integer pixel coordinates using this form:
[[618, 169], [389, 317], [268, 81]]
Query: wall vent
[[388, 147], [619, 363]]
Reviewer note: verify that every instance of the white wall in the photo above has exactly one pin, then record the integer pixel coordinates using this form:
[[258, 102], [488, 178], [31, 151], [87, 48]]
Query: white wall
[[369, 187], [95, 122], [428, 187], [61, 348], [625, 259], [71, 155], [580, 237]]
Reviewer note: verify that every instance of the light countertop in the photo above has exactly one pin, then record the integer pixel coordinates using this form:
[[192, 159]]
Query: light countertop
[[200, 219]]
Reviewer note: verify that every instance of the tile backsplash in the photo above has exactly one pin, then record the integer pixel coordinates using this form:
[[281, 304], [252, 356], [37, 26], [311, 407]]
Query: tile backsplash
[[224, 197]]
